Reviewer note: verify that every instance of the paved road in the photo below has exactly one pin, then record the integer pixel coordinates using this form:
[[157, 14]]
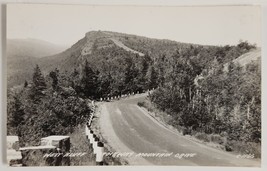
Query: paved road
[[128, 128]]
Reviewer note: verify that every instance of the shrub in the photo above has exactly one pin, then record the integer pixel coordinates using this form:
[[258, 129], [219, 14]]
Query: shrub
[[141, 104], [187, 131], [244, 148], [202, 136], [217, 139]]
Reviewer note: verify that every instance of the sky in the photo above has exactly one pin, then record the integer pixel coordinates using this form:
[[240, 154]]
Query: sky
[[66, 24]]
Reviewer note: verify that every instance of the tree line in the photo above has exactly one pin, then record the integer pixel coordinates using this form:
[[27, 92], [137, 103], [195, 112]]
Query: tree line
[[214, 98], [191, 85]]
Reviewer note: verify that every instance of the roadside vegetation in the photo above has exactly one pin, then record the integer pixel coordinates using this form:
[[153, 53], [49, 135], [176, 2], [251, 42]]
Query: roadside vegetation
[[49, 105], [214, 102], [192, 87]]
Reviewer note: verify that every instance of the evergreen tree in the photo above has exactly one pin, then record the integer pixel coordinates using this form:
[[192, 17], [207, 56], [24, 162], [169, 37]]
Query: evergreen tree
[[74, 81], [104, 84], [54, 76], [88, 81], [25, 84], [17, 115], [131, 75], [151, 77], [141, 80], [38, 86]]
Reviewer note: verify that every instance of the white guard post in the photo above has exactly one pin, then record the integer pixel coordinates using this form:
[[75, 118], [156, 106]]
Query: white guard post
[[93, 140], [96, 139], [90, 121], [90, 137], [86, 131], [99, 153]]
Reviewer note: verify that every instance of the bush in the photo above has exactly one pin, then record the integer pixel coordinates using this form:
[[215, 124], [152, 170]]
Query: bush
[[217, 139], [57, 113], [141, 104], [202, 136], [244, 148], [187, 131]]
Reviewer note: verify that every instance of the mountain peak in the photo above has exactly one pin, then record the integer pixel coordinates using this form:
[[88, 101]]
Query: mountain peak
[[96, 34], [105, 39]]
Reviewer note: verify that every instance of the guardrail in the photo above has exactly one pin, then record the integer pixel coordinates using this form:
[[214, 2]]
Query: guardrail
[[108, 98], [94, 141]]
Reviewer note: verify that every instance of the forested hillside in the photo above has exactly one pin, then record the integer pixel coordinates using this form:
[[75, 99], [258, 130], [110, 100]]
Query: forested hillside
[[44, 106], [190, 84], [211, 100]]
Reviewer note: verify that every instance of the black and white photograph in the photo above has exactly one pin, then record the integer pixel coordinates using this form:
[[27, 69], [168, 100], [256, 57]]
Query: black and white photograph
[[118, 85]]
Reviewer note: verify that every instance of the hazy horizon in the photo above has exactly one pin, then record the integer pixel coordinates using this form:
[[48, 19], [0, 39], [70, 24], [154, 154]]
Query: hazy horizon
[[69, 45], [66, 24]]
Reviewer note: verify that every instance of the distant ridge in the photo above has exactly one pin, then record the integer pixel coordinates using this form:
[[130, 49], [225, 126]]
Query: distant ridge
[[31, 48], [246, 58]]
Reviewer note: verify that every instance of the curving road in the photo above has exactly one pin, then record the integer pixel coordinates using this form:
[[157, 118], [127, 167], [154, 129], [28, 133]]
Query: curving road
[[128, 128]]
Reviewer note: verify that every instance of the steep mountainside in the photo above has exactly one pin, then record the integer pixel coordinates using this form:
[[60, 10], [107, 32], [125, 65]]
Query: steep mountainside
[[100, 49], [95, 42]]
